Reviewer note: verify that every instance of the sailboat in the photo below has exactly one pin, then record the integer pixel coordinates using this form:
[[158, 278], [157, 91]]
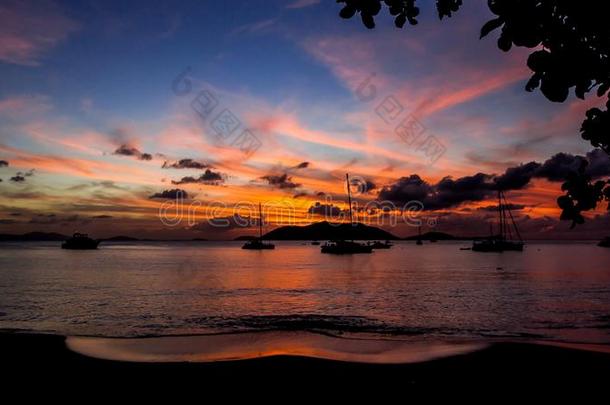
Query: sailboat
[[80, 241], [258, 244], [341, 247], [504, 240]]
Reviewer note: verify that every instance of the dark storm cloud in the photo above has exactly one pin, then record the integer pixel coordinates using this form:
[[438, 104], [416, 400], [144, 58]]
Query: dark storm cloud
[[209, 178], [558, 167], [127, 150], [451, 192], [173, 194], [20, 177], [53, 219], [599, 163], [448, 192], [325, 210], [406, 189], [303, 165], [3, 163], [185, 164], [362, 186], [280, 181], [516, 178], [494, 208]]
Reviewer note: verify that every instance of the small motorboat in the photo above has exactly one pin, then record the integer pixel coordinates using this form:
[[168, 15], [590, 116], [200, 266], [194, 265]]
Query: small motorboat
[[315, 243], [343, 247], [257, 244], [379, 245], [80, 241], [604, 242], [497, 245]]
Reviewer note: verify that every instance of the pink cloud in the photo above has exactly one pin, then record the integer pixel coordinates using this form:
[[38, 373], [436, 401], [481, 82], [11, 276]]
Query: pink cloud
[[28, 30], [25, 105], [303, 3]]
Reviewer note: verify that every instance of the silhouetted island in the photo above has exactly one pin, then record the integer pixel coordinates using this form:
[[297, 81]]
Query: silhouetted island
[[328, 231], [121, 238], [433, 236], [245, 237], [33, 237]]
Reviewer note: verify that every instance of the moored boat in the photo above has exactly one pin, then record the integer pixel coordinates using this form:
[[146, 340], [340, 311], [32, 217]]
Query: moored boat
[[504, 241], [344, 246], [341, 247], [604, 242], [380, 245], [80, 241], [258, 244]]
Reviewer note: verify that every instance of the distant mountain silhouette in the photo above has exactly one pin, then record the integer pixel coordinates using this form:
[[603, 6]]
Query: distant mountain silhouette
[[433, 235], [34, 236], [327, 231], [121, 238], [245, 237]]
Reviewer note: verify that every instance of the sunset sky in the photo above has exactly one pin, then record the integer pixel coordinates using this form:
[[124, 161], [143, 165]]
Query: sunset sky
[[108, 107]]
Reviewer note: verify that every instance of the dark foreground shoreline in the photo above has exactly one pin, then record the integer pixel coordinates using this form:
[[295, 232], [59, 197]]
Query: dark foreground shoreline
[[43, 361]]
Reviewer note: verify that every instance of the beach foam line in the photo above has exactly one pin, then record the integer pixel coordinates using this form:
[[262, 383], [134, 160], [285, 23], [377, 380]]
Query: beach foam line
[[242, 346]]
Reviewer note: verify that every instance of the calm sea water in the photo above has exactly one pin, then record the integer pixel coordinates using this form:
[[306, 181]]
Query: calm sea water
[[558, 291]]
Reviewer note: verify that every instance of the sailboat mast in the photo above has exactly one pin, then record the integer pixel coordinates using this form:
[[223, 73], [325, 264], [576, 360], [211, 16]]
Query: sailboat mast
[[513, 220], [260, 222], [500, 214], [349, 199]]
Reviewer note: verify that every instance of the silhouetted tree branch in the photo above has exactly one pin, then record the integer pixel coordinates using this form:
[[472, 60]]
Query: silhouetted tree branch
[[573, 51]]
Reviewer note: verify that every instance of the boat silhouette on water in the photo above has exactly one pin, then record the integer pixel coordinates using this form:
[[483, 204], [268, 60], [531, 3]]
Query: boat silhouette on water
[[343, 247], [504, 241], [380, 245], [604, 242], [80, 241], [258, 244]]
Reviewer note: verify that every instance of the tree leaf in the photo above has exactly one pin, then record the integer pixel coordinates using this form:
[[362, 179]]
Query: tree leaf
[[400, 20], [490, 26], [603, 89], [347, 12]]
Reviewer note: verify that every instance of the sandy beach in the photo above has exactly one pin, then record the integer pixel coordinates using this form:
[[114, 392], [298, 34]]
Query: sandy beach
[[45, 360]]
